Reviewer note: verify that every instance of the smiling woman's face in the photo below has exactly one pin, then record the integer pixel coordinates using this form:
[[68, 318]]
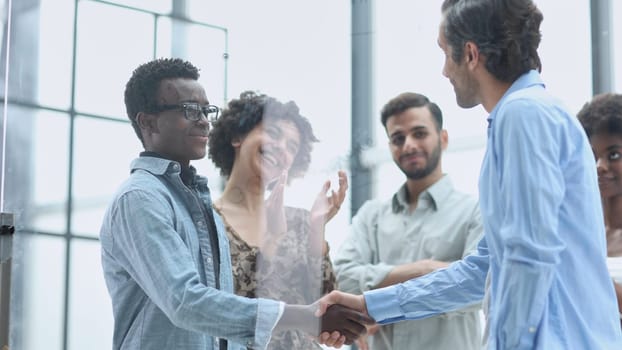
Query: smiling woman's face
[[607, 149], [270, 148]]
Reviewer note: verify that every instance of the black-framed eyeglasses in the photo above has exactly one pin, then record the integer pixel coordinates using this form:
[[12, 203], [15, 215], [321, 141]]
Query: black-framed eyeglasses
[[192, 111]]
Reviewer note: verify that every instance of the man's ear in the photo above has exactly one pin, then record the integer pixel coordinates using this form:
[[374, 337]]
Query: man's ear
[[471, 54], [147, 122], [444, 139]]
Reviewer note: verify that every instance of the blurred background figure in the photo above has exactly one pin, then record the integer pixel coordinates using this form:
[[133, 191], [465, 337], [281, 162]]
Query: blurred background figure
[[276, 251], [602, 120]]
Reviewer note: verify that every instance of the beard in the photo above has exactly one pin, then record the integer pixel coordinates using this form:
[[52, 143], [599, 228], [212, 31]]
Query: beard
[[431, 163]]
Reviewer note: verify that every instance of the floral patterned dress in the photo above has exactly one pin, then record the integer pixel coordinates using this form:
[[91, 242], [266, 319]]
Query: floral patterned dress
[[293, 274]]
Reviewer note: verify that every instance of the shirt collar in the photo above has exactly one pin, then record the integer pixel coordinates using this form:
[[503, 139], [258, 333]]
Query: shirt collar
[[433, 196], [526, 80], [157, 164]]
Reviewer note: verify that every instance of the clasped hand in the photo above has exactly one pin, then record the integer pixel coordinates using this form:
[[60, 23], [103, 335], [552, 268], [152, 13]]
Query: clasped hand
[[335, 331]]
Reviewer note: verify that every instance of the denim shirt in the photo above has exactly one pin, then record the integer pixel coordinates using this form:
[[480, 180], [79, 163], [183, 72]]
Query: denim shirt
[[158, 267]]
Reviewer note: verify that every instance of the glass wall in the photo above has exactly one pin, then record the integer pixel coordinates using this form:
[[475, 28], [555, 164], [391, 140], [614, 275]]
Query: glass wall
[[69, 143]]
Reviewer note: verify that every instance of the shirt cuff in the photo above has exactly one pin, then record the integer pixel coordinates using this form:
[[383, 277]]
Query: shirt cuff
[[383, 305], [269, 312]]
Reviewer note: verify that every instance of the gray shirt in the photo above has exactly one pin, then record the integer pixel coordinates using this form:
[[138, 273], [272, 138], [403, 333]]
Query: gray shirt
[[444, 226]]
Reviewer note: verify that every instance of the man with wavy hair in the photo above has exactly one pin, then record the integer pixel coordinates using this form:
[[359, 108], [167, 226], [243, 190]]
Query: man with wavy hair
[[540, 266]]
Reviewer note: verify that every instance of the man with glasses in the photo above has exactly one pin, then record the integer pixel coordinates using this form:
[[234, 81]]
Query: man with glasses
[[192, 111], [423, 227], [165, 254]]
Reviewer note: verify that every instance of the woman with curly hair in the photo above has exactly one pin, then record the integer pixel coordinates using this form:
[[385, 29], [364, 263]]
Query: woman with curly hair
[[602, 121], [276, 251]]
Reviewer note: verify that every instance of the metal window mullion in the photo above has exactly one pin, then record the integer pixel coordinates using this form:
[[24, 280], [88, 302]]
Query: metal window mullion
[[602, 68], [68, 217], [362, 101]]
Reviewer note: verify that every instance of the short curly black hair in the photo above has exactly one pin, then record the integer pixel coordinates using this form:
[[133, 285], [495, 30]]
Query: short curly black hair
[[142, 89], [246, 112], [602, 115]]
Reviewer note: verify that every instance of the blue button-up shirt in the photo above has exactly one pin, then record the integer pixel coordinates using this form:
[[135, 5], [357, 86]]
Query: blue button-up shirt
[[158, 267], [544, 241]]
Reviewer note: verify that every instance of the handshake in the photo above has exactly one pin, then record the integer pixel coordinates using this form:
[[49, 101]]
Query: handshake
[[342, 317]]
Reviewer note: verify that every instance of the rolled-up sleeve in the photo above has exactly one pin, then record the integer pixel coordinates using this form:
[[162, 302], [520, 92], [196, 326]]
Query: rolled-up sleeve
[[268, 314]]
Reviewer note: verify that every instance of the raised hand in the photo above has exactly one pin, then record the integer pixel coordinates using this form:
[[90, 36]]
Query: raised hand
[[326, 207]]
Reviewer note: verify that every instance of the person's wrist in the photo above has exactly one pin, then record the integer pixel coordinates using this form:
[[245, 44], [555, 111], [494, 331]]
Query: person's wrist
[[299, 317]]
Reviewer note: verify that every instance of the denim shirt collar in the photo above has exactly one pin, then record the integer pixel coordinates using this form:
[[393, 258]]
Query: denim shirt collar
[[159, 165]]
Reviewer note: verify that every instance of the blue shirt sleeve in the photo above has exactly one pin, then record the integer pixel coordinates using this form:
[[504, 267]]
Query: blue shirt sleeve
[[459, 285], [528, 155]]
